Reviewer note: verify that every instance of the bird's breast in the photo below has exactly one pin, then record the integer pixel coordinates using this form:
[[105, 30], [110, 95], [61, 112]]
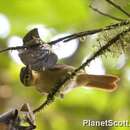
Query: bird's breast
[[46, 80]]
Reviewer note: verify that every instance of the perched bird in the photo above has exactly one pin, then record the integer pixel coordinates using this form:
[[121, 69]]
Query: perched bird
[[46, 79]]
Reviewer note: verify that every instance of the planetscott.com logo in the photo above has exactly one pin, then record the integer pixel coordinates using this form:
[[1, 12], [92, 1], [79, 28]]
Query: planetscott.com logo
[[109, 123]]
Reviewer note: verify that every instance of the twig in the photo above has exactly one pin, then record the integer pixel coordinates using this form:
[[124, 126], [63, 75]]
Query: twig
[[118, 7], [101, 51], [91, 32], [105, 14], [13, 48], [18, 48]]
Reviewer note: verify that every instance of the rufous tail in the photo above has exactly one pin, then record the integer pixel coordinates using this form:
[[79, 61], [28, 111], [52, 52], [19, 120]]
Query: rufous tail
[[107, 82]]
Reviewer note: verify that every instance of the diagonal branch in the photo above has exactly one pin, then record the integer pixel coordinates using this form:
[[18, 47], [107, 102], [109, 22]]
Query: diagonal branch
[[118, 7], [105, 14], [91, 32], [98, 53]]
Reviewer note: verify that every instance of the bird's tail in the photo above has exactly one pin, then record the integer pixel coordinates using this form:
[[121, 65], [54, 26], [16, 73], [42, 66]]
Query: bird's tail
[[106, 82]]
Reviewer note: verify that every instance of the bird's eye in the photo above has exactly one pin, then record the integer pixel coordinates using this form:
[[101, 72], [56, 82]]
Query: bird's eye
[[27, 77]]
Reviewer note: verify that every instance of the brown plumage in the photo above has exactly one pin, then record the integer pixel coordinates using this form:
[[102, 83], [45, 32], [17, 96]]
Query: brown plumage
[[45, 80]]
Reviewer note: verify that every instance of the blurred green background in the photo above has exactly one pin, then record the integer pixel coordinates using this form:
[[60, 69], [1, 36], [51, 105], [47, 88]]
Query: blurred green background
[[54, 17]]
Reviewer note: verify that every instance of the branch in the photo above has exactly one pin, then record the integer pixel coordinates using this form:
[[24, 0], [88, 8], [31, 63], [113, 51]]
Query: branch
[[90, 32], [118, 7], [19, 47], [98, 53], [104, 14]]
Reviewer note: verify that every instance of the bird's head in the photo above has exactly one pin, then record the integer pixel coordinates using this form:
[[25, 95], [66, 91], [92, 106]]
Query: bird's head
[[26, 76]]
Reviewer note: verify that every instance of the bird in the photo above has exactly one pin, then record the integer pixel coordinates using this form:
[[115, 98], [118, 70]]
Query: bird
[[46, 79]]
